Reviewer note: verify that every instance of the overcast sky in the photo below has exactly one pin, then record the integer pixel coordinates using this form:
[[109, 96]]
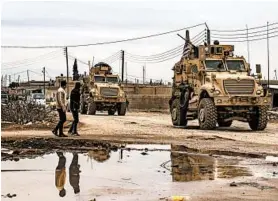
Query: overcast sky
[[75, 22]]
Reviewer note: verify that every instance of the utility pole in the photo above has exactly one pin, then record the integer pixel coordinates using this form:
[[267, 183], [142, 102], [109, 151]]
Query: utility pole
[[144, 74], [93, 61], [43, 71], [67, 62], [126, 73], [247, 39], [89, 64], [208, 34], [123, 64], [267, 57], [28, 77]]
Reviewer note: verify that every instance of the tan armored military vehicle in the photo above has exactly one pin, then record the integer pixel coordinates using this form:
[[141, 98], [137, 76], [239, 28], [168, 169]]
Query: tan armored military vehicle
[[213, 85], [102, 91]]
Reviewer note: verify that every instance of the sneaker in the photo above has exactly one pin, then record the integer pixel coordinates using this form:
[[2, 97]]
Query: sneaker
[[75, 134], [55, 132], [62, 135]]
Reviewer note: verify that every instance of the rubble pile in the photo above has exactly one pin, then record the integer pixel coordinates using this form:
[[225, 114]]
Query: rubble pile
[[23, 112], [273, 114]]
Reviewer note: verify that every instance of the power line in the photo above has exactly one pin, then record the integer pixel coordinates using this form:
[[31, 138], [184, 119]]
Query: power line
[[112, 56], [256, 39], [8, 67], [239, 37], [107, 42], [243, 34], [73, 58], [30, 59], [238, 30]]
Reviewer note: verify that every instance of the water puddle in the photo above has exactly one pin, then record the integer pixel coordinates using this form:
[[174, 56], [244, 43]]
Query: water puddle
[[134, 172]]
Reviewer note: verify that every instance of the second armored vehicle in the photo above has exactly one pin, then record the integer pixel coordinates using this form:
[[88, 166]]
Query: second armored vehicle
[[102, 91]]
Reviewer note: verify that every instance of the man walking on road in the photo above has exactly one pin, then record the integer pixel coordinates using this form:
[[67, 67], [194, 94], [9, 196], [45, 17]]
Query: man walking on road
[[74, 107], [61, 108]]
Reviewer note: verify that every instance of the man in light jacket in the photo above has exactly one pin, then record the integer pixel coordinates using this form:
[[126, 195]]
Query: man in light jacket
[[61, 108]]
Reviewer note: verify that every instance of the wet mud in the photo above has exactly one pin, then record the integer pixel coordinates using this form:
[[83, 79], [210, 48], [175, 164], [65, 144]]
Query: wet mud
[[105, 171]]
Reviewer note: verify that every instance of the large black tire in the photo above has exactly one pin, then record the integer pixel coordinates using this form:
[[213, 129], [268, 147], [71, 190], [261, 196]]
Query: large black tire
[[224, 124], [111, 112], [178, 114], [207, 114], [122, 109], [92, 108], [83, 108], [259, 120]]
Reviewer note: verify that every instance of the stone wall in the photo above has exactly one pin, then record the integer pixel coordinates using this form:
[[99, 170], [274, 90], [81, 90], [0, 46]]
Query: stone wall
[[148, 102]]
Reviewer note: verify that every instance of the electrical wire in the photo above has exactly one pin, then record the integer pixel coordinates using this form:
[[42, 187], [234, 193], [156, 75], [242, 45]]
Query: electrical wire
[[155, 59], [197, 35], [28, 64], [164, 55], [239, 37], [112, 56], [239, 30], [256, 39], [73, 58], [30, 61], [107, 42], [243, 34]]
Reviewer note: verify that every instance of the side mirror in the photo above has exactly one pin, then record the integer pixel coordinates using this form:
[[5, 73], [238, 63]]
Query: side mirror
[[258, 68]]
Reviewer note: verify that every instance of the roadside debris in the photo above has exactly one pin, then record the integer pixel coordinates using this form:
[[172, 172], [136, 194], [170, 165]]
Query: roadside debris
[[23, 112]]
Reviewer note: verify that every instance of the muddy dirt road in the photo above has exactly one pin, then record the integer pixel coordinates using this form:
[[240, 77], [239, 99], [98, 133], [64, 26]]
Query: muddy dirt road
[[156, 128], [141, 156]]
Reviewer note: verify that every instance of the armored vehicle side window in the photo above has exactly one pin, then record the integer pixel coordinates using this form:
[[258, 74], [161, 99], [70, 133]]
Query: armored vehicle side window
[[214, 65], [112, 79], [99, 79], [237, 65]]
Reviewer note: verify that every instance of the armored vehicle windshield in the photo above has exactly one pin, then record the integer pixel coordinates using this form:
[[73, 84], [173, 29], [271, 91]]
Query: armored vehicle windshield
[[99, 78], [237, 65], [215, 65], [112, 79]]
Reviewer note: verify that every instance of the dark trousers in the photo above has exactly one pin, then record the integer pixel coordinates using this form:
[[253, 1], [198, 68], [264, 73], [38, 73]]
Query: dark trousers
[[73, 128], [63, 118]]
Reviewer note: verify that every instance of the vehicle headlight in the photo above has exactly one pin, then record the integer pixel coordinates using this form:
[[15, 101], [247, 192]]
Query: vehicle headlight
[[258, 92], [217, 92]]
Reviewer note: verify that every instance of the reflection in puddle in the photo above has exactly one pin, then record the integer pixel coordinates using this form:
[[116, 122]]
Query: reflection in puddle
[[123, 174], [193, 167]]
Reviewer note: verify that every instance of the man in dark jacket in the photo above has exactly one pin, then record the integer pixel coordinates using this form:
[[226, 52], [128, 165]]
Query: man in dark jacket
[[74, 107], [74, 174]]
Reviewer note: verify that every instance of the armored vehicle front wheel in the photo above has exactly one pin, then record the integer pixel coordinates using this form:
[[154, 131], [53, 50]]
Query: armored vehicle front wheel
[[178, 114], [122, 109], [258, 121], [92, 108], [111, 112], [207, 114], [224, 124]]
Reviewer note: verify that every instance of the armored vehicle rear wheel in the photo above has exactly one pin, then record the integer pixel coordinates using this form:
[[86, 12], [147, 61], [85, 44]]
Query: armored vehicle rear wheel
[[111, 112], [259, 120], [224, 124], [122, 109], [178, 114], [83, 108], [92, 108], [207, 114]]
